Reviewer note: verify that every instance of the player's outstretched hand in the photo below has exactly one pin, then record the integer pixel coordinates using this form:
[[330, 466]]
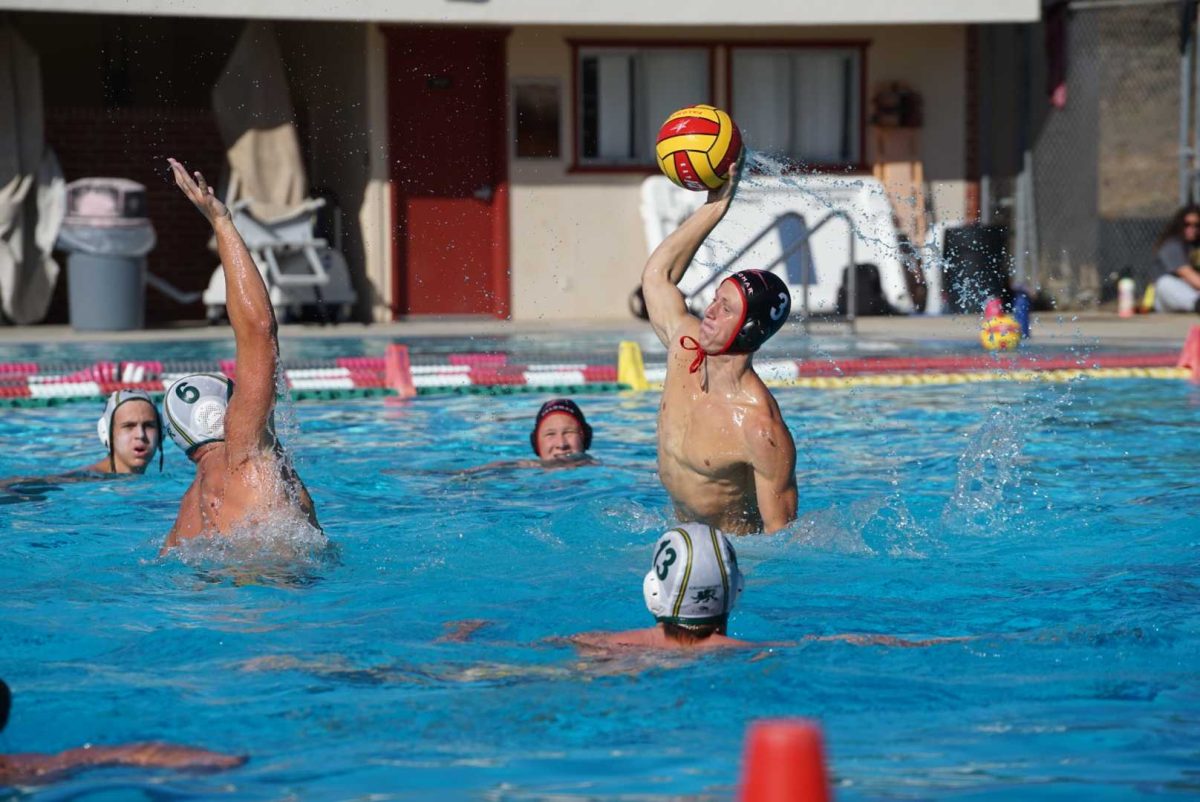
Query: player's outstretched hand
[[199, 193]]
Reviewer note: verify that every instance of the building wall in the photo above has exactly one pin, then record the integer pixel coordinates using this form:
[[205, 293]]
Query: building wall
[[335, 102], [108, 114], [578, 245], [122, 93]]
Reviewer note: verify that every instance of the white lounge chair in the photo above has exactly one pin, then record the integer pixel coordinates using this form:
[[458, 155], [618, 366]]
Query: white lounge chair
[[300, 270]]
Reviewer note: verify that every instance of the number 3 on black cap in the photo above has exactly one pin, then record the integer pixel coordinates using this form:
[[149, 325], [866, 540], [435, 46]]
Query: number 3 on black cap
[[777, 311]]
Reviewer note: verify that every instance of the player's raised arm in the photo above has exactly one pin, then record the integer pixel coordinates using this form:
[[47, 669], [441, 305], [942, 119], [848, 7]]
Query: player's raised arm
[[252, 318], [664, 302]]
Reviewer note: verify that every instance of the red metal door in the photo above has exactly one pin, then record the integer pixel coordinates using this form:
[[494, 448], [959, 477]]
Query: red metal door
[[446, 108]]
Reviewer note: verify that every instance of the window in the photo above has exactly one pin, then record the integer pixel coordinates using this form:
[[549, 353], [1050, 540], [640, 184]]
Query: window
[[624, 94], [804, 103], [535, 118]]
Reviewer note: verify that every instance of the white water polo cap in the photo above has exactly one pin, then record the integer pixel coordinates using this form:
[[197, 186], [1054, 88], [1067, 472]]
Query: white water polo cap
[[194, 410], [694, 579], [104, 426]]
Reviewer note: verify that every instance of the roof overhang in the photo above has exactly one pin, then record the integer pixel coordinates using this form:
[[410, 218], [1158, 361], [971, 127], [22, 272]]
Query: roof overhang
[[674, 13]]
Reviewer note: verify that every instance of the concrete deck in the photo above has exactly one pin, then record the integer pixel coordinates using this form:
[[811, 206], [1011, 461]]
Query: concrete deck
[[1101, 329]]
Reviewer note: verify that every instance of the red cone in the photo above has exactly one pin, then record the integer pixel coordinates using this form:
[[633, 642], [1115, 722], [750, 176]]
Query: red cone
[[398, 371], [785, 762], [1189, 357]]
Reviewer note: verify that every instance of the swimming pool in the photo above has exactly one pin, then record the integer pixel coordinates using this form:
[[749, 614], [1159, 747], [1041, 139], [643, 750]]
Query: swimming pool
[[1055, 524]]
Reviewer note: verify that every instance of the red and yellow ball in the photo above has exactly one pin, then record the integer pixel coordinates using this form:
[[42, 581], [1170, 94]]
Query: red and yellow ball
[[1000, 333], [697, 146]]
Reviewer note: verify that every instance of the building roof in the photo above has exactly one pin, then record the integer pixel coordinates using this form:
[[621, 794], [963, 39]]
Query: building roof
[[675, 13]]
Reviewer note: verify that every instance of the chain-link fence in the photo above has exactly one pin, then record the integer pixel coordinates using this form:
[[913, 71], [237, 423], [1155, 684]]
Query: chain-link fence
[[1105, 163]]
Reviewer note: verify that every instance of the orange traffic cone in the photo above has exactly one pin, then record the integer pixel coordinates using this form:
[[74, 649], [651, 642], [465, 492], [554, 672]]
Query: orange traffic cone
[[1189, 357], [785, 762], [398, 371]]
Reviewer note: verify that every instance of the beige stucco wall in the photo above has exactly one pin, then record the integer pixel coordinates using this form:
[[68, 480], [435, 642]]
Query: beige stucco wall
[[577, 239]]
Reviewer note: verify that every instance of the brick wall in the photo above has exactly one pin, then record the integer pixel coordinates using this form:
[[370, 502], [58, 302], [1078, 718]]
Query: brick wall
[[134, 143]]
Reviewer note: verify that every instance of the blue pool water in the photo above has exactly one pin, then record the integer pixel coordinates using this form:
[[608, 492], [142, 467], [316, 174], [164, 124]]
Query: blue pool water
[[1053, 524]]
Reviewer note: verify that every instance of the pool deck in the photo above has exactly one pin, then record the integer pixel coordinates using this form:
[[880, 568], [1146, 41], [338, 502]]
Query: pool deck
[[1102, 329]]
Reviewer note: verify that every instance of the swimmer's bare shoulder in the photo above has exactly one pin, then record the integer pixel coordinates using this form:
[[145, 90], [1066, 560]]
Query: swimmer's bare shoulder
[[650, 638], [771, 453], [188, 523]]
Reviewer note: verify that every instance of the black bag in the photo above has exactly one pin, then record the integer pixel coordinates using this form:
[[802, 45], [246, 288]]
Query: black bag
[[869, 299]]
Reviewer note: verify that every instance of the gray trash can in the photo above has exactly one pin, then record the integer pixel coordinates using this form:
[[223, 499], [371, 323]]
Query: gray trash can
[[106, 235]]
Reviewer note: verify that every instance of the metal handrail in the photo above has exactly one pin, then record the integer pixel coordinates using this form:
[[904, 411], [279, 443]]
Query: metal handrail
[[806, 273]]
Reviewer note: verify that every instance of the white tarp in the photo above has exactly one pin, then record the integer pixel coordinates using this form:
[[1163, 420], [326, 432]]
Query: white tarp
[[254, 114], [784, 208], [32, 192]]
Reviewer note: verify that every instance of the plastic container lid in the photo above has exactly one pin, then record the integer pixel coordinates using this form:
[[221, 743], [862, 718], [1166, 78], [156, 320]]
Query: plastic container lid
[[106, 203]]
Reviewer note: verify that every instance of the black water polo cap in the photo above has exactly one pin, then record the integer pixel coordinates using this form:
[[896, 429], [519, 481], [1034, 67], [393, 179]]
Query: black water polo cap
[[767, 303], [567, 406]]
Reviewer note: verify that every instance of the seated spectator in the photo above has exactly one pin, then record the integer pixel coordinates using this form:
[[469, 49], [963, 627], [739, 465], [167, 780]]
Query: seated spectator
[[1178, 252]]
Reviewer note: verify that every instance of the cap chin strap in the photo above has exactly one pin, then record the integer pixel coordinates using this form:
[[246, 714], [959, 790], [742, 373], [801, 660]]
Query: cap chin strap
[[689, 343]]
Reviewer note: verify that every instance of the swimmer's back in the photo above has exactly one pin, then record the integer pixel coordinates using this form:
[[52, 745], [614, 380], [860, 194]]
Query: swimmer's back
[[224, 496]]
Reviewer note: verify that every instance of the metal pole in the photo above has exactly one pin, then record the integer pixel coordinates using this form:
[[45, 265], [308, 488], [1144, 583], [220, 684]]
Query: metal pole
[[1193, 177], [1031, 235], [1185, 118], [1020, 245], [852, 290], [1024, 185], [984, 99]]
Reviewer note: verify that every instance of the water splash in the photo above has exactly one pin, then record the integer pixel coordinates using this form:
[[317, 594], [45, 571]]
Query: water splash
[[285, 550], [988, 472]]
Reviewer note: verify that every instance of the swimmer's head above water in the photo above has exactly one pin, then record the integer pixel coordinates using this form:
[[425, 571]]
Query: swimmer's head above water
[[130, 429], [194, 410], [5, 704], [749, 308], [693, 582], [560, 431]]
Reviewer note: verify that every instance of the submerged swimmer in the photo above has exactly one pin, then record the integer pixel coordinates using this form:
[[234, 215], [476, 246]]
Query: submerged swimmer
[[32, 768], [243, 476], [561, 434], [131, 431], [725, 455], [692, 586], [560, 438]]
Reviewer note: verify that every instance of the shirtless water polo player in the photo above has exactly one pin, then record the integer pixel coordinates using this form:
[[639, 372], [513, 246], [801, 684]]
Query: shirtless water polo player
[[242, 475], [725, 455]]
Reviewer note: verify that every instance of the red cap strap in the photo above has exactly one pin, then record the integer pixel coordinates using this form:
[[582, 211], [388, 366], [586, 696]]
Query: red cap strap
[[689, 343]]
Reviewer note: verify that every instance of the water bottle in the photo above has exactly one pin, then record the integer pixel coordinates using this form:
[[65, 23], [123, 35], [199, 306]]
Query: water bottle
[[1021, 311], [1125, 290]]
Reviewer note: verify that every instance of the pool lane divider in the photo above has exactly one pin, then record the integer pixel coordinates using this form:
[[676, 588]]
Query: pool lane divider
[[397, 373], [829, 374], [400, 373]]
